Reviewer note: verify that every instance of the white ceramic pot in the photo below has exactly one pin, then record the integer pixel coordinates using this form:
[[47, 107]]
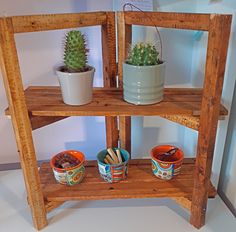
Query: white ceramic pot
[[76, 88]]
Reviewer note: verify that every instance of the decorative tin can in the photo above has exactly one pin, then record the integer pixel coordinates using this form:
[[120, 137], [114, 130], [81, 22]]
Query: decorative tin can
[[164, 169], [113, 172], [72, 175]]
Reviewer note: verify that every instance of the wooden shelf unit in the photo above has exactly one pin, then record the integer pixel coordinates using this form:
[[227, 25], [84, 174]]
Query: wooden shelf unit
[[199, 109]]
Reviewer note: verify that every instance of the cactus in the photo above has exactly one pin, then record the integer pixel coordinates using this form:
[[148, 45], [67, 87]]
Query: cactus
[[143, 54], [75, 52]]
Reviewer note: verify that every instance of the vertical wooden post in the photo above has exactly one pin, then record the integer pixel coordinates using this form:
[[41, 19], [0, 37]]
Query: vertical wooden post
[[124, 41], [21, 123], [110, 72], [214, 75]]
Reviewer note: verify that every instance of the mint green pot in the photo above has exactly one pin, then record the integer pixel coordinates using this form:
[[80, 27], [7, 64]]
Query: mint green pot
[[143, 85]]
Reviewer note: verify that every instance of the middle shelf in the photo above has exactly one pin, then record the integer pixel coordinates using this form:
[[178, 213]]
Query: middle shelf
[[140, 183], [47, 101], [181, 105]]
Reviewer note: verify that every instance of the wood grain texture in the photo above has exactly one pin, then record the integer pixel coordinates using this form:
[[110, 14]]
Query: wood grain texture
[[21, 123], [140, 183], [38, 121], [125, 133], [188, 121], [47, 101], [51, 205], [169, 20], [31, 23], [124, 42], [108, 32], [214, 75], [183, 201]]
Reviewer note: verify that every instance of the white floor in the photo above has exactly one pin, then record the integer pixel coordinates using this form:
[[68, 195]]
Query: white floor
[[137, 215]]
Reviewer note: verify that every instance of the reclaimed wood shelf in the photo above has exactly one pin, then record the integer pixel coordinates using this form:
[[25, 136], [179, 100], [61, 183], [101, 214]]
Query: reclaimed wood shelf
[[47, 101], [181, 105], [199, 109], [140, 183]]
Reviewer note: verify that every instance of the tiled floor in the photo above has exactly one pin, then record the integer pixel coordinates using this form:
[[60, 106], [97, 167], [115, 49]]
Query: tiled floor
[[137, 215]]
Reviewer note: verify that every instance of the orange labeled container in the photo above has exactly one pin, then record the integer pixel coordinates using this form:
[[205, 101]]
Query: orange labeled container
[[166, 166], [70, 175]]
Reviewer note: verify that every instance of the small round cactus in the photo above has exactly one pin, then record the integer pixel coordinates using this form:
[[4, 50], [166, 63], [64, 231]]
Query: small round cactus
[[75, 53], [143, 54]]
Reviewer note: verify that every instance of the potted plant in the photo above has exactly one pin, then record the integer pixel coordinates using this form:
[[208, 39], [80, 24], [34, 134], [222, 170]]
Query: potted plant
[[76, 76], [143, 75]]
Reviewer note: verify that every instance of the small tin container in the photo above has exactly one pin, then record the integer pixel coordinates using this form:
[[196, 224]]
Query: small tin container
[[112, 173], [72, 175], [163, 169]]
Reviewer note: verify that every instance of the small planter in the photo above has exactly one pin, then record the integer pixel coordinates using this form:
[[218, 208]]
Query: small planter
[[143, 85], [163, 169], [72, 175], [113, 172], [76, 88]]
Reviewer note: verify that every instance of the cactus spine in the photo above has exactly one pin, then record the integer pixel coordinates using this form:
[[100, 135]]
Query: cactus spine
[[143, 54], [75, 52]]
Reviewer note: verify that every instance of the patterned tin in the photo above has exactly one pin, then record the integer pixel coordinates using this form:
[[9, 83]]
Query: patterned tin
[[166, 170], [69, 176], [116, 172]]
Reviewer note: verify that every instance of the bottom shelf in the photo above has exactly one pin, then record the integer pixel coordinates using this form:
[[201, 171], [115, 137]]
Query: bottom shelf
[[140, 183]]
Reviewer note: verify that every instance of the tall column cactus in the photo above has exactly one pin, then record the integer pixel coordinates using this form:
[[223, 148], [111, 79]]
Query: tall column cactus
[[143, 54], [75, 53]]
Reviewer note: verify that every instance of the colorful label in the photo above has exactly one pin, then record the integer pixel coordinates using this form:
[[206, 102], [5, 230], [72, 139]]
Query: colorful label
[[162, 170], [113, 173], [70, 177]]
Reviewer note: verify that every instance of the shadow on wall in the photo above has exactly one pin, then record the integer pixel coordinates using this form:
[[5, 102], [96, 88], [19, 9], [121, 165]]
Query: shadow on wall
[[148, 132], [93, 137]]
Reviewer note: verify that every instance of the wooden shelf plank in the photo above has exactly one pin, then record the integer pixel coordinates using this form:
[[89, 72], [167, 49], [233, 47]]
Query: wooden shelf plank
[[169, 20], [32, 23], [47, 101], [140, 183]]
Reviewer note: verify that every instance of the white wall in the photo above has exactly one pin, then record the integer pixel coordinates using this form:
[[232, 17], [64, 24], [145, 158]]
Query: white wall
[[198, 69], [39, 53]]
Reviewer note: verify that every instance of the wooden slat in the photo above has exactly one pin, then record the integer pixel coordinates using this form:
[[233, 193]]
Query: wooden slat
[[41, 121], [109, 73], [188, 121], [183, 201], [38, 121], [210, 108], [51, 205], [124, 41], [31, 23], [109, 51], [140, 183], [20, 120], [47, 101], [169, 20], [125, 133]]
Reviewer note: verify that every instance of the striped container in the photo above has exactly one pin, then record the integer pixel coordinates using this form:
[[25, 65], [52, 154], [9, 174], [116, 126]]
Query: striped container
[[163, 169], [115, 172], [143, 85]]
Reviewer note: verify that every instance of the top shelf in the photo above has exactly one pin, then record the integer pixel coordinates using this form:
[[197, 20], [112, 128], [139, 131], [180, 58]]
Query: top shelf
[[47, 101]]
